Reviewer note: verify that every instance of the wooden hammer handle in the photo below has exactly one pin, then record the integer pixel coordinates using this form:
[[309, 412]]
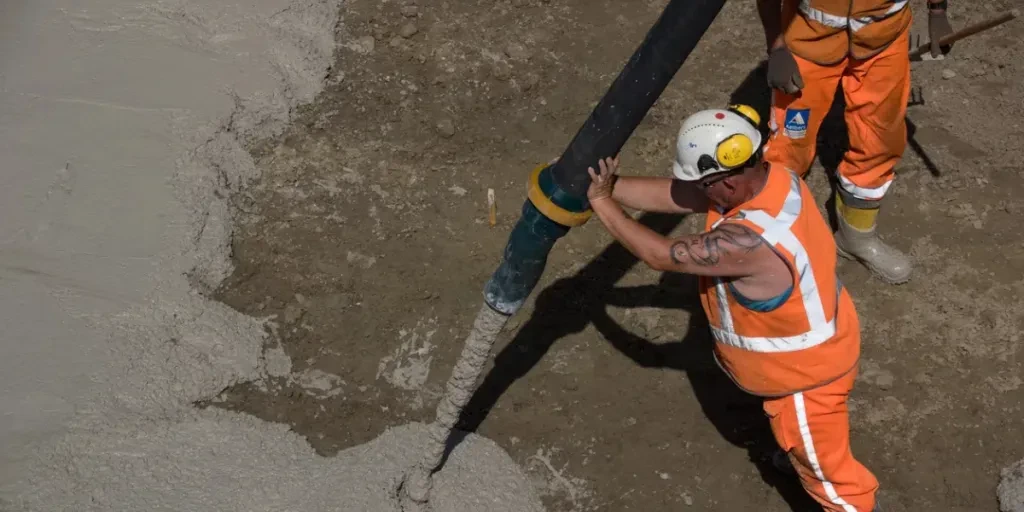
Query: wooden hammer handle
[[966, 32]]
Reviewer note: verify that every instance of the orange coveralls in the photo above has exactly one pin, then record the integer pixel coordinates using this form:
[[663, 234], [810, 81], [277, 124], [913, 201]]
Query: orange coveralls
[[802, 355], [864, 44]]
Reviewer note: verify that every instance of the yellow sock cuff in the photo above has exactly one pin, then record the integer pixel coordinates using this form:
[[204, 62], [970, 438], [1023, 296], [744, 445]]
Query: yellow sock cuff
[[860, 218]]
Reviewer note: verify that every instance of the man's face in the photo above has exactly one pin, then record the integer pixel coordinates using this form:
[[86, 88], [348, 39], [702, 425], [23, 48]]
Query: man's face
[[727, 189], [716, 189]]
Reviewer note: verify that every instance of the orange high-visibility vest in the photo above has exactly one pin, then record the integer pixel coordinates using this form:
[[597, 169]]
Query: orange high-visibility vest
[[827, 31], [814, 336]]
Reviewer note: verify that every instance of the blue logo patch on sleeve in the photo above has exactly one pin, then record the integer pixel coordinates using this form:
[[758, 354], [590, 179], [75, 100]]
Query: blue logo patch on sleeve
[[795, 126]]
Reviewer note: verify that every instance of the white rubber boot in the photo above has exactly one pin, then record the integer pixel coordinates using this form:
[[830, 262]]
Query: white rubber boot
[[886, 262]]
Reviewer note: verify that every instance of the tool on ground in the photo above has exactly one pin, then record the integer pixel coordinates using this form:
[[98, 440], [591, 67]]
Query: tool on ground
[[557, 202], [923, 51]]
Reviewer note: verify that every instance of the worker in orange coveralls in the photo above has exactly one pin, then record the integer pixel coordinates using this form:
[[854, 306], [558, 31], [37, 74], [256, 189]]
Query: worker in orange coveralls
[[813, 46], [784, 327]]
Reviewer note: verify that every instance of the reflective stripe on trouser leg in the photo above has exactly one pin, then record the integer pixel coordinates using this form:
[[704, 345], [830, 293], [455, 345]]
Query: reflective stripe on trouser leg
[[811, 456], [814, 427], [876, 92], [794, 120]]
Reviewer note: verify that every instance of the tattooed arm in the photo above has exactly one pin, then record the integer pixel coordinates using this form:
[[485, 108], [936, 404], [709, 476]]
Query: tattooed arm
[[729, 250]]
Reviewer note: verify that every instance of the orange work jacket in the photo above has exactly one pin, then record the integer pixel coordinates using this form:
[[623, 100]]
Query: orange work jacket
[[813, 337], [827, 31]]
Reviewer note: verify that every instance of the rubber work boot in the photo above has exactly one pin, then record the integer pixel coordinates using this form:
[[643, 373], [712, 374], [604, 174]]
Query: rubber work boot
[[856, 239]]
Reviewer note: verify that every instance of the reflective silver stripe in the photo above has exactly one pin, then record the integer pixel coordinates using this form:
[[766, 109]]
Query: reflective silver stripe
[[777, 344], [777, 231], [855, 24], [812, 454], [724, 315], [870, 194]]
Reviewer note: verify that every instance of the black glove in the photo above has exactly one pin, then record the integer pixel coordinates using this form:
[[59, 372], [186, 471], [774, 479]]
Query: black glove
[[939, 27], [783, 73]]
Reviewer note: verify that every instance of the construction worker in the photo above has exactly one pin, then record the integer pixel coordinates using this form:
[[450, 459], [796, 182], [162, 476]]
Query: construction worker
[[784, 327], [813, 46]]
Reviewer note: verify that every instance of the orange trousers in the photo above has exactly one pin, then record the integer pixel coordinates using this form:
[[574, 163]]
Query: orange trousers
[[876, 92], [813, 427]]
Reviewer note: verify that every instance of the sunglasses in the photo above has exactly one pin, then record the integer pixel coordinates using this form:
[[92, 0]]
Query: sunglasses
[[709, 183]]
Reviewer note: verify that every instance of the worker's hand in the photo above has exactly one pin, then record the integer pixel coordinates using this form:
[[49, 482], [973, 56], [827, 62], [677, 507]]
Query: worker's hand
[[783, 73], [601, 185], [939, 27]]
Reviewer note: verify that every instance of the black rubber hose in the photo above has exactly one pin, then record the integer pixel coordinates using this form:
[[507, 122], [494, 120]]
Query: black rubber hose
[[667, 45], [643, 79]]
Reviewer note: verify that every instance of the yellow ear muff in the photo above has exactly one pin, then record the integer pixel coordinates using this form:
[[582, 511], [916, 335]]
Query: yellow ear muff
[[734, 151], [747, 112]]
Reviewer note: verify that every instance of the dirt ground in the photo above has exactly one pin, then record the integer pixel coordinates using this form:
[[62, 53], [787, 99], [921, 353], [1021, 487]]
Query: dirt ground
[[367, 241]]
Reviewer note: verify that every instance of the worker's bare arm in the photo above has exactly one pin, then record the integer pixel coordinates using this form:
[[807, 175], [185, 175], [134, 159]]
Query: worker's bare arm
[[727, 251], [659, 194], [730, 250]]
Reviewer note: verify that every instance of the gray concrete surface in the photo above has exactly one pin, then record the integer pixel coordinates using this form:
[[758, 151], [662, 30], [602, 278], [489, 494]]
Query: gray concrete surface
[[123, 129]]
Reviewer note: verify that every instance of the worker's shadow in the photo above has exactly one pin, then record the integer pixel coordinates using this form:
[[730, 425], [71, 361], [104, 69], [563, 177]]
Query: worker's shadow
[[569, 305], [736, 415]]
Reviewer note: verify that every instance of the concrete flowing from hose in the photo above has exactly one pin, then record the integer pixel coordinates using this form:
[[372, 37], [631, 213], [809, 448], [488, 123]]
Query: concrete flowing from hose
[[415, 490], [1011, 488]]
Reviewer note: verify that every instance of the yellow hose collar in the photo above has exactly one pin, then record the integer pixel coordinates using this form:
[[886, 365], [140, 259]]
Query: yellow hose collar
[[551, 210]]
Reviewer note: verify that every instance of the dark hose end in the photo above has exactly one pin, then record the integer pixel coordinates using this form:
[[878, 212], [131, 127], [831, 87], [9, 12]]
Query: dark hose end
[[526, 255]]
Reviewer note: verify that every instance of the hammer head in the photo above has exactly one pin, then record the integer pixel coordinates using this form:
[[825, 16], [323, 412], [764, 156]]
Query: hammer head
[[915, 42]]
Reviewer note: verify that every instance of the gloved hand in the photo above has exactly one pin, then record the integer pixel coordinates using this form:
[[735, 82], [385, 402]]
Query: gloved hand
[[783, 73], [939, 27]]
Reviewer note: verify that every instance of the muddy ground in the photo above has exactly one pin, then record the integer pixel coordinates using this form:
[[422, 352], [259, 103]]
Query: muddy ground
[[367, 241]]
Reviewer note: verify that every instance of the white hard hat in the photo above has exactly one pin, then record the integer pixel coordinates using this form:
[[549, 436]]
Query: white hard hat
[[716, 140]]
